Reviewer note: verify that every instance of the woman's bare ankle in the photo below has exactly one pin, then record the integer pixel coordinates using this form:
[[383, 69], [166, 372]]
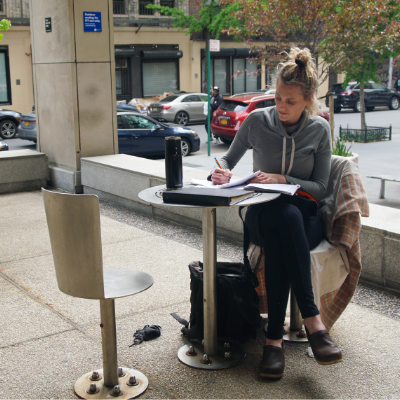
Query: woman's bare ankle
[[314, 324], [271, 342]]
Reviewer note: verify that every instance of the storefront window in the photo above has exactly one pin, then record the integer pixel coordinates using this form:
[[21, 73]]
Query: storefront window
[[219, 73], [248, 80], [5, 87]]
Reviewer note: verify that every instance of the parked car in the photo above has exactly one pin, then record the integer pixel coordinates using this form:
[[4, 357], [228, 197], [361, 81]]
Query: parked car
[[227, 119], [9, 120], [127, 107], [179, 108], [27, 127], [3, 145], [140, 135], [374, 95]]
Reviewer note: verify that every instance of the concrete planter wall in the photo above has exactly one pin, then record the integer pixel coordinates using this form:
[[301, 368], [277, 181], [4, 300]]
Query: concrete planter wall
[[23, 170]]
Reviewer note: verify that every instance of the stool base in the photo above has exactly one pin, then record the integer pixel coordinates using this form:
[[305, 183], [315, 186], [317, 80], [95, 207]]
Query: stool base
[[104, 392]]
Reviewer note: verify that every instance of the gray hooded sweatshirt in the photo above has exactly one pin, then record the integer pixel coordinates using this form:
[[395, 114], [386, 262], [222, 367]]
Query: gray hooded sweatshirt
[[301, 153]]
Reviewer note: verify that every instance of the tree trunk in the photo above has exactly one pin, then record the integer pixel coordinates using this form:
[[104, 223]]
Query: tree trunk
[[362, 105]]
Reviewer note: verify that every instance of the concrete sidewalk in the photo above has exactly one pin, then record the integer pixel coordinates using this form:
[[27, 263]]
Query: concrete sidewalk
[[48, 339]]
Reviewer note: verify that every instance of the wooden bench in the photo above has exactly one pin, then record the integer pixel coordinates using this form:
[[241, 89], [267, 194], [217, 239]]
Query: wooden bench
[[383, 179]]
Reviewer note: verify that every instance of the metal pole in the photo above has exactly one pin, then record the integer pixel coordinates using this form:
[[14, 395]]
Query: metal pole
[[296, 321], [209, 281], [209, 99], [109, 342]]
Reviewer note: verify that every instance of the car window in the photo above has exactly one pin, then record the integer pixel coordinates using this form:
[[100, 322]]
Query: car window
[[260, 104], [229, 105], [204, 98], [353, 86], [120, 122], [270, 103], [368, 86], [191, 98], [377, 86], [168, 99], [139, 122], [336, 88]]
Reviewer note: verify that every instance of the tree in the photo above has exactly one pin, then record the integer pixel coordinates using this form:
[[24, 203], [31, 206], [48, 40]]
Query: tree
[[270, 27], [359, 33], [211, 20], [4, 26]]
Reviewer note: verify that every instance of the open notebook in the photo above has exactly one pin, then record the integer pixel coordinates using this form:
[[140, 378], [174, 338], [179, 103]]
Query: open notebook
[[257, 187]]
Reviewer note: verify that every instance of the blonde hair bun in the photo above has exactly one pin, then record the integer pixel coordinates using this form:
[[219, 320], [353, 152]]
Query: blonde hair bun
[[301, 70]]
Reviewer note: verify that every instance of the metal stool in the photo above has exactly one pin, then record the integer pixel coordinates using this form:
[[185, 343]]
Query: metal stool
[[74, 229]]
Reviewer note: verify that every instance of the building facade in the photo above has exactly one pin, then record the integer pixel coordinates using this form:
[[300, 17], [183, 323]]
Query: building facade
[[151, 56]]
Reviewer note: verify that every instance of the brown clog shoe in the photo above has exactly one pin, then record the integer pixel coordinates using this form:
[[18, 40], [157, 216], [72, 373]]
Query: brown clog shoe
[[324, 349], [272, 362]]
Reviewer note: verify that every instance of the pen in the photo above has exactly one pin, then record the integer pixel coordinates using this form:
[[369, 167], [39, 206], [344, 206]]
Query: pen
[[219, 165]]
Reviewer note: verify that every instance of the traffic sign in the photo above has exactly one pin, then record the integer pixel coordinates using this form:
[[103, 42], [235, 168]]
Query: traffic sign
[[214, 45]]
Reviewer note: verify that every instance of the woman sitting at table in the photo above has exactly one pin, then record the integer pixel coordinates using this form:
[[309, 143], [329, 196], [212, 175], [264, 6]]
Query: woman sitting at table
[[291, 145]]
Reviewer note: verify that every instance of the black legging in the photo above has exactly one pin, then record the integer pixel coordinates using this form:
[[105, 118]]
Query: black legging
[[287, 239]]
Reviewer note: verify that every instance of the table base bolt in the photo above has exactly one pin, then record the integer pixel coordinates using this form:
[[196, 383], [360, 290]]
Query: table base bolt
[[302, 334], [116, 392], [206, 359], [191, 351], [227, 354], [227, 345], [93, 389], [95, 376], [121, 372], [132, 381]]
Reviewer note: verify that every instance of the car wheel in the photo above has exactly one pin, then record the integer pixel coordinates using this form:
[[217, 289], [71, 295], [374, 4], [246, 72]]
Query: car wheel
[[8, 129], [357, 106], [337, 110], [185, 146], [394, 103], [370, 108], [226, 141], [182, 118]]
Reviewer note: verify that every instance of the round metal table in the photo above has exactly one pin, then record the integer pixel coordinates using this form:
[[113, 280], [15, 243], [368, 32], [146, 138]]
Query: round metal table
[[209, 354]]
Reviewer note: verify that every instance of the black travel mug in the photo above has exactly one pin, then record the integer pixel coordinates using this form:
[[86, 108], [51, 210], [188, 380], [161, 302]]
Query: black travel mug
[[173, 162]]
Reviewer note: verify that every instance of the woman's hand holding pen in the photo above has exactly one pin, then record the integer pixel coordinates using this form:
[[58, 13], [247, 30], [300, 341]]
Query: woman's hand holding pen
[[221, 176], [264, 177]]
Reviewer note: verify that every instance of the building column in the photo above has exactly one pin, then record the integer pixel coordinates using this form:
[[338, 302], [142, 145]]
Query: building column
[[74, 83]]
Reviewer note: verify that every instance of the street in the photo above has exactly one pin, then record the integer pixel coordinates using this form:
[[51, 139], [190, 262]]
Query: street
[[376, 158]]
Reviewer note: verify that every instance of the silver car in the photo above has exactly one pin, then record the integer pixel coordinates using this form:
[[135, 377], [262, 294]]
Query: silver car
[[179, 108], [27, 127]]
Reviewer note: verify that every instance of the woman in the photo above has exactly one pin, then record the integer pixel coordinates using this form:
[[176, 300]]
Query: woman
[[290, 145]]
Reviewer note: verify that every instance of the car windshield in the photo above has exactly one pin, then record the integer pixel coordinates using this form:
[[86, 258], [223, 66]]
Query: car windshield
[[229, 105], [168, 99]]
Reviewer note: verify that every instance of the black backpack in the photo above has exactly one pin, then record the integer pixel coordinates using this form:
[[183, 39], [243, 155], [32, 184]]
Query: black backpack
[[238, 314]]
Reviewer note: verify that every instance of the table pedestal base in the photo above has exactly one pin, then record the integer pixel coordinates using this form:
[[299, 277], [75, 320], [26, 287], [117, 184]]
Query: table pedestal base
[[294, 335], [228, 355]]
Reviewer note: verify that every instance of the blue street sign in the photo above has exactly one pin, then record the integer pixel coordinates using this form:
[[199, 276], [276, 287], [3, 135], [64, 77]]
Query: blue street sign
[[91, 21]]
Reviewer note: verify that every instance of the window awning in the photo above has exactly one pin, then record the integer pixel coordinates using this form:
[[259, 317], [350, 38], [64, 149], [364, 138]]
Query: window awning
[[124, 52], [154, 54], [227, 52]]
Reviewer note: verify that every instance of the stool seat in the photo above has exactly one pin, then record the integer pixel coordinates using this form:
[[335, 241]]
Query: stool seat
[[122, 282]]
